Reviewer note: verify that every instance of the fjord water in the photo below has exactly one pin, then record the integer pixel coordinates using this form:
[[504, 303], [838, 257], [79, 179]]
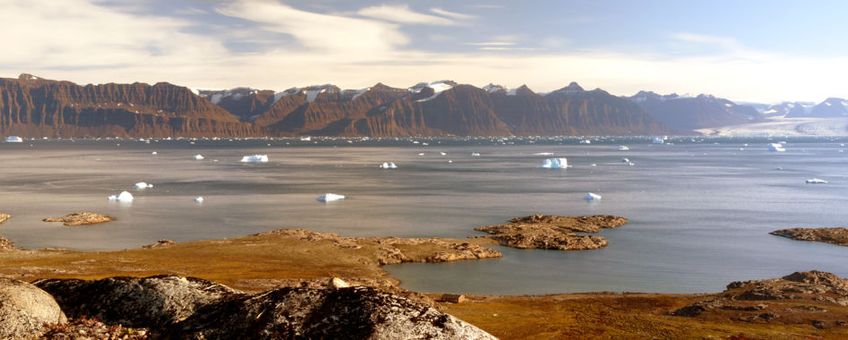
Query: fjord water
[[700, 212]]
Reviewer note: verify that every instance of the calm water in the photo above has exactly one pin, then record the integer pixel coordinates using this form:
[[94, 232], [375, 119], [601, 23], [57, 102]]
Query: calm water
[[700, 213]]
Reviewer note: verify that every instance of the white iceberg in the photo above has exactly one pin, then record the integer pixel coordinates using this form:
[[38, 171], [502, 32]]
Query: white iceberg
[[330, 197], [543, 154], [124, 196], [623, 148], [816, 181], [625, 160], [475, 154], [659, 140], [444, 153], [388, 165], [198, 199], [154, 153], [555, 163], [421, 154], [255, 159], [592, 197], [776, 147], [198, 157], [14, 139], [143, 185]]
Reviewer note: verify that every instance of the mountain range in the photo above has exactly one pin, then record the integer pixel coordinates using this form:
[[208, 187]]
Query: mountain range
[[32, 107]]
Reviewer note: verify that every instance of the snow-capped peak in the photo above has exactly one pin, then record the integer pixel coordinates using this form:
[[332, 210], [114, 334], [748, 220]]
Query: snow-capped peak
[[215, 96], [311, 91], [437, 86], [492, 88]]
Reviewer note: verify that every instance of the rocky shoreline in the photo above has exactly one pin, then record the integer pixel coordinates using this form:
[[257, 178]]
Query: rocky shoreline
[[836, 235], [553, 232]]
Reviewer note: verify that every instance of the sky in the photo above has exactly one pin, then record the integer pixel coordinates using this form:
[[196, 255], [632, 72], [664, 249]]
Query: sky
[[753, 50]]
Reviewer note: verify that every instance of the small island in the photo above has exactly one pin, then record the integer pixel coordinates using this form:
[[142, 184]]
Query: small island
[[553, 232], [80, 218], [835, 235]]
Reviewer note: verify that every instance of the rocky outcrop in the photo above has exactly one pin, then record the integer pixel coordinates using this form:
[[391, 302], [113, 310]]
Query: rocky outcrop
[[25, 309], [553, 232], [6, 245], [838, 236], [80, 218], [395, 250], [160, 244], [798, 297], [185, 308], [152, 302], [86, 328], [4, 217]]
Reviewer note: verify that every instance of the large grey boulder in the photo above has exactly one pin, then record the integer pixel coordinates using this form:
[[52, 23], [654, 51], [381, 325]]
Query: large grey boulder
[[152, 302], [333, 313], [25, 309]]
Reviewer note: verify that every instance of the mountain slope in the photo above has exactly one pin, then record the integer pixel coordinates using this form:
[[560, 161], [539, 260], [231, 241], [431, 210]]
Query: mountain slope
[[34, 107], [691, 113]]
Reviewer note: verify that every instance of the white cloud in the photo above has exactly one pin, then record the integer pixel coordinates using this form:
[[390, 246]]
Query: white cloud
[[404, 15], [83, 42], [449, 14]]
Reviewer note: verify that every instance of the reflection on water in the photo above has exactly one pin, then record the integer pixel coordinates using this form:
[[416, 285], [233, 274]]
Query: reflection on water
[[700, 213]]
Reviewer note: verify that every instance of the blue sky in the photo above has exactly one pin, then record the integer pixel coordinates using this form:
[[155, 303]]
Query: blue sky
[[745, 50]]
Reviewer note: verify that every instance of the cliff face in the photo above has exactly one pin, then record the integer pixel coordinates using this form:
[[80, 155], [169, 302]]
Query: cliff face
[[34, 107]]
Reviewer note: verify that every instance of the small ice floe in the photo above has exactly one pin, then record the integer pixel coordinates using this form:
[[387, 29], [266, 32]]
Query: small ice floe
[[592, 197], [776, 147], [475, 154], [450, 161], [543, 154], [14, 139], [594, 164], [154, 153], [124, 196], [388, 165], [623, 148], [780, 168], [330, 197], [659, 140], [585, 141], [625, 160], [816, 181], [555, 163], [143, 185], [198, 199], [255, 159], [443, 153], [198, 157]]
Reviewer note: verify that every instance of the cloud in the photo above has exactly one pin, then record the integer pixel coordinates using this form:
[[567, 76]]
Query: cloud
[[452, 15], [321, 32], [404, 15]]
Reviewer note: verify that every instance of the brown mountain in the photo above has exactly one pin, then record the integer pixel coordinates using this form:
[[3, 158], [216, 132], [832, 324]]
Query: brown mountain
[[33, 107]]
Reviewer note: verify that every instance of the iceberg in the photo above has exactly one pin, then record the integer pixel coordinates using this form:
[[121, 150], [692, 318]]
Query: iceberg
[[625, 160], [444, 153], [776, 147], [543, 154], [816, 181], [421, 154], [623, 148], [154, 153], [198, 199], [143, 185], [330, 197], [388, 165], [198, 157], [124, 196], [475, 154], [14, 139], [659, 140], [555, 163], [255, 159], [592, 197]]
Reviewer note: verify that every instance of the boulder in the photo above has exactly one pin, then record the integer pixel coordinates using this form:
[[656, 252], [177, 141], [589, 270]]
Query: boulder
[[151, 302], [25, 309], [350, 313]]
